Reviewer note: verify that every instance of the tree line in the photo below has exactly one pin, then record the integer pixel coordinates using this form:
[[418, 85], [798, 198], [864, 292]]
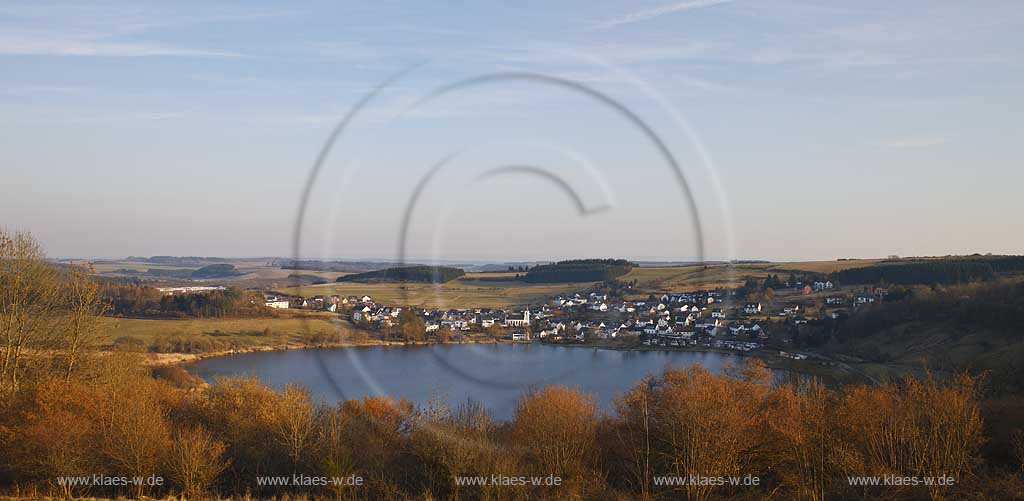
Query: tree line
[[134, 300]]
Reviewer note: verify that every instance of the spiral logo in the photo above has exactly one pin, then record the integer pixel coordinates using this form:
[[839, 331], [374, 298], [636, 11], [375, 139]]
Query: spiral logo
[[468, 164]]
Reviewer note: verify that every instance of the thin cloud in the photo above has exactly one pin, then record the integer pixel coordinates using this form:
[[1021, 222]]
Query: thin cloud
[[648, 14], [45, 46]]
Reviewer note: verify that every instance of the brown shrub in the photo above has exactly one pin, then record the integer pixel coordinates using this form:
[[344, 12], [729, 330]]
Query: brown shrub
[[194, 461], [693, 423], [556, 429]]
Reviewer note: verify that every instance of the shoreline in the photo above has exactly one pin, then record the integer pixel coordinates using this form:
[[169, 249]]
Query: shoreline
[[811, 368], [164, 359]]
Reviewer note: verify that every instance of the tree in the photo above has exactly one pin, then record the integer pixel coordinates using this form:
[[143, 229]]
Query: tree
[[29, 304], [195, 460], [560, 425], [696, 423], [294, 416], [136, 433], [412, 326], [84, 325], [808, 454]]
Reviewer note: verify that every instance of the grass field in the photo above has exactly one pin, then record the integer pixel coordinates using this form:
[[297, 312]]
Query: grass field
[[501, 290], [488, 290], [110, 267], [228, 333], [681, 278], [472, 290]]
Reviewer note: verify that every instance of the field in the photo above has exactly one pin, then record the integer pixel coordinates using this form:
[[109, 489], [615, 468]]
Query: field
[[501, 289], [256, 273], [480, 290], [227, 333], [680, 278]]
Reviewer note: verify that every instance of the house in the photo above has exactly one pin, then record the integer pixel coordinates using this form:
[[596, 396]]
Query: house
[[361, 313], [834, 301], [717, 313], [821, 286], [520, 336], [752, 308], [741, 328], [859, 300], [366, 299], [279, 303]]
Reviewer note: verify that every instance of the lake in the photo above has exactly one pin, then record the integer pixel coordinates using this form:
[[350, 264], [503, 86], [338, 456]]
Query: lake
[[494, 374]]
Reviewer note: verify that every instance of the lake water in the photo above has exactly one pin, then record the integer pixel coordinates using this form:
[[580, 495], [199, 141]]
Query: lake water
[[494, 374]]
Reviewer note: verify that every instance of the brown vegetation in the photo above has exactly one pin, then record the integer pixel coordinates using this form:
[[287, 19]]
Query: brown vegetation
[[114, 417]]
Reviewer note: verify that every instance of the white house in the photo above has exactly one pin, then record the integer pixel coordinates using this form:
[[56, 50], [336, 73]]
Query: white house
[[281, 304], [820, 286]]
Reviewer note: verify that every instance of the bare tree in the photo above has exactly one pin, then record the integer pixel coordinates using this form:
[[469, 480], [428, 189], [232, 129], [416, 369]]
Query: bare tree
[[295, 417], [84, 322], [137, 432], [195, 460], [29, 304], [558, 426]]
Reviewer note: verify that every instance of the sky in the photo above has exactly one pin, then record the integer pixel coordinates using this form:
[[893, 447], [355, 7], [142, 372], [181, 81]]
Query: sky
[[497, 131]]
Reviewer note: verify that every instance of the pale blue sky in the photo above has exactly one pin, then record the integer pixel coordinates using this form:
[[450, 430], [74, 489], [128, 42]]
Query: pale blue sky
[[806, 130]]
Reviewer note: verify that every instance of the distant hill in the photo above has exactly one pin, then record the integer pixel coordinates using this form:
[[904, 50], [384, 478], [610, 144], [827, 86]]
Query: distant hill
[[338, 266], [578, 270], [418, 273], [216, 271], [176, 260], [305, 279], [945, 271], [206, 272]]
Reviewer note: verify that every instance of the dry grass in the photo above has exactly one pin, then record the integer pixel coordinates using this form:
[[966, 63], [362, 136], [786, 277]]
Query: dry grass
[[248, 330], [465, 292], [480, 290], [501, 290]]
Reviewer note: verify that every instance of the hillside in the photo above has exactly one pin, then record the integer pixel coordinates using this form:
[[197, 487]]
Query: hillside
[[578, 270], [972, 327], [419, 273], [946, 271]]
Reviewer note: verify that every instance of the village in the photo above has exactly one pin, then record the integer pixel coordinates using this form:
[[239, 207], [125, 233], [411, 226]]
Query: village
[[721, 319]]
